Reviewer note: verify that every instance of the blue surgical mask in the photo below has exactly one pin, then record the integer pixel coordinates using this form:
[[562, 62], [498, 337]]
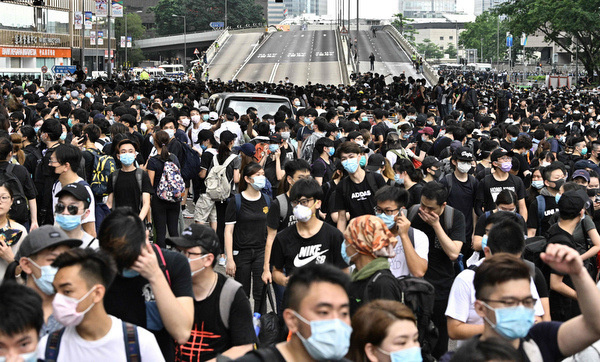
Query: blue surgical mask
[[44, 282], [363, 161], [307, 121], [203, 147], [331, 151], [88, 95], [399, 181], [127, 158], [259, 182], [329, 338], [352, 109], [512, 322], [68, 222], [347, 258], [484, 241], [205, 117], [26, 357], [423, 138], [365, 119], [129, 273], [70, 122], [538, 184], [63, 136], [405, 355], [584, 151], [350, 165], [513, 139], [273, 148], [389, 220], [557, 198], [36, 129]]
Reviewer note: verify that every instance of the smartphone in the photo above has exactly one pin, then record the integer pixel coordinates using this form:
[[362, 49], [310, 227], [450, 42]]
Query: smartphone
[[404, 212]]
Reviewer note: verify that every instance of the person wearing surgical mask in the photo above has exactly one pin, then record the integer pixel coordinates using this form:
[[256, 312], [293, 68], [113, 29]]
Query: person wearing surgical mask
[[19, 340], [409, 178], [505, 202], [384, 330], [412, 248], [73, 207], [310, 240], [554, 177], [81, 283], [183, 123], [246, 232], [232, 321], [36, 253]]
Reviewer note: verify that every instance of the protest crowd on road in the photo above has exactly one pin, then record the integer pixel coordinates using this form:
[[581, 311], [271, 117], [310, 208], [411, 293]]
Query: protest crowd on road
[[379, 221]]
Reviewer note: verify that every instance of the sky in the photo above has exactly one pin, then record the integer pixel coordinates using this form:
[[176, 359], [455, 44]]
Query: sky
[[384, 9]]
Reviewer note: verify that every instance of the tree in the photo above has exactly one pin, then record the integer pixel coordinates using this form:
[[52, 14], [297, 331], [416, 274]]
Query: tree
[[407, 30], [484, 35], [571, 24], [135, 30], [451, 51], [429, 49], [201, 13]]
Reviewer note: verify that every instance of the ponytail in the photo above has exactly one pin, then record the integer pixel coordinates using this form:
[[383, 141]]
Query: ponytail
[[161, 138]]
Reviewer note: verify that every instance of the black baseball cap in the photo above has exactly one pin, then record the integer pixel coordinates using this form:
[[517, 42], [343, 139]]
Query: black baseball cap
[[429, 162], [78, 191], [42, 238], [498, 153], [197, 235], [463, 154], [376, 161], [572, 202]]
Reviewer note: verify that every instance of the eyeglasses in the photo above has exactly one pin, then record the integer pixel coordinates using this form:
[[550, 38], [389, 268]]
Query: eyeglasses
[[189, 254], [71, 209], [52, 162], [303, 202], [528, 302], [5, 198], [389, 212]]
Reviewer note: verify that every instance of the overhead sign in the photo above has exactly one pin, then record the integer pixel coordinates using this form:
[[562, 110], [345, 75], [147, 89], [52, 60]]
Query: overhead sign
[[63, 69], [217, 24]]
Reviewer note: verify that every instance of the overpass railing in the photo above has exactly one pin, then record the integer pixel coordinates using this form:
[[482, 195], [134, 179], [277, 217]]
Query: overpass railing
[[429, 73], [213, 49]]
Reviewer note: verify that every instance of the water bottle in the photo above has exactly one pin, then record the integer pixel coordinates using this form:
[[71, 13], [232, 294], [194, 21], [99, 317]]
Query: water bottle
[[256, 322]]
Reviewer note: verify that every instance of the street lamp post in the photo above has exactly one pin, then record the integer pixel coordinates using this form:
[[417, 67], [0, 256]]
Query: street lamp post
[[225, 15], [185, 39]]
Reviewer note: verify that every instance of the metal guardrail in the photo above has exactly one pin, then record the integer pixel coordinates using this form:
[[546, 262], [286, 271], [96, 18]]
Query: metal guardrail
[[429, 73], [342, 56], [212, 50]]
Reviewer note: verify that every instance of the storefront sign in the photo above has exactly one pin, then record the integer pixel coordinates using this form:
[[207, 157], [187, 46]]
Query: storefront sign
[[28, 39], [34, 52]]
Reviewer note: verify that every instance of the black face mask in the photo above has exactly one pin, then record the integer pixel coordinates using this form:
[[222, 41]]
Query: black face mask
[[558, 184], [592, 192], [436, 174]]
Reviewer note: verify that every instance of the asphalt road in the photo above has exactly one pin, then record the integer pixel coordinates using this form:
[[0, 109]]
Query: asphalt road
[[302, 56], [232, 55], [389, 56]]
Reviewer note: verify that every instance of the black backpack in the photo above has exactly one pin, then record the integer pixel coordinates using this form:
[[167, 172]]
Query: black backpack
[[534, 246], [19, 211], [419, 295]]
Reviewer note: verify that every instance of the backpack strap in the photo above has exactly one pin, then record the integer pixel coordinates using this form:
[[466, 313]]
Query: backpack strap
[[412, 212], [139, 173], [132, 344], [91, 242], [411, 236], [162, 262], [53, 345], [10, 169], [541, 204], [267, 354], [487, 214], [226, 298], [448, 217], [283, 206], [449, 182], [115, 175], [371, 182], [228, 160]]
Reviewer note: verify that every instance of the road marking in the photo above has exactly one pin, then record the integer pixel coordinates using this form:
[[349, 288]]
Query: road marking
[[273, 72], [248, 59]]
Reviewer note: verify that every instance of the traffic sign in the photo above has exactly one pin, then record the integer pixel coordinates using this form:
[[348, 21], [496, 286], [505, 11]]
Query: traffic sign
[[344, 30], [196, 51], [63, 69], [217, 24], [509, 41], [44, 69]]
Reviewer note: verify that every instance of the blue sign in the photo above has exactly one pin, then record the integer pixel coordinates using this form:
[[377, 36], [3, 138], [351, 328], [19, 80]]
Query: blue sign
[[217, 24], [63, 69], [509, 41]]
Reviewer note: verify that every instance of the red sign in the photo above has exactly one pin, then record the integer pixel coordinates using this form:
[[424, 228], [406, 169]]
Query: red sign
[[44, 69], [34, 52], [196, 51]]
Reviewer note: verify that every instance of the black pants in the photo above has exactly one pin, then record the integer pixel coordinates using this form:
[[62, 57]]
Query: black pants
[[196, 183], [439, 319], [248, 269], [221, 207], [165, 215]]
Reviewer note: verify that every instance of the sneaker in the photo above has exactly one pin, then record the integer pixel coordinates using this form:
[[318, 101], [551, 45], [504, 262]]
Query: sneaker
[[222, 261], [188, 215]]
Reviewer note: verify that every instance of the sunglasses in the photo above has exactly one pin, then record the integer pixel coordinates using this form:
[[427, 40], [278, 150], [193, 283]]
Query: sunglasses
[[72, 209]]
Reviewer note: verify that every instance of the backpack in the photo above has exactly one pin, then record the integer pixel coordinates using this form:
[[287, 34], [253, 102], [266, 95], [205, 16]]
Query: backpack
[[417, 294], [401, 153], [171, 185], [449, 181], [283, 207], [130, 337], [228, 292], [190, 165], [19, 211], [218, 187], [541, 202], [104, 165], [502, 98], [448, 215], [533, 248]]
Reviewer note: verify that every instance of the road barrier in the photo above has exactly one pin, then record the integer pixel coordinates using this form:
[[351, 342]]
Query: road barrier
[[429, 73], [342, 57]]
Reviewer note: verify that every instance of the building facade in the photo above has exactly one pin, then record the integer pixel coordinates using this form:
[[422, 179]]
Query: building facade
[[482, 6], [426, 8]]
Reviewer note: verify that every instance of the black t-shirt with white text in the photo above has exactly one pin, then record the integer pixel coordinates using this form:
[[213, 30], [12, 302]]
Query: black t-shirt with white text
[[360, 199], [274, 219], [492, 187]]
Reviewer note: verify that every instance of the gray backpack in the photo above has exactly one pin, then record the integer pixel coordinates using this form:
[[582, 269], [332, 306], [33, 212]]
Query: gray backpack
[[218, 187]]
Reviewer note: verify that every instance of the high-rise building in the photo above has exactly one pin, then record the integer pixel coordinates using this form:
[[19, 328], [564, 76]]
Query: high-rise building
[[482, 6], [426, 8], [275, 12], [299, 7]]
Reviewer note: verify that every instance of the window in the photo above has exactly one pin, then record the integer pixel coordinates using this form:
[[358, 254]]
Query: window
[[441, 38], [451, 37]]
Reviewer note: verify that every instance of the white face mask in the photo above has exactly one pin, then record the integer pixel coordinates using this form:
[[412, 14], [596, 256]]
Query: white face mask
[[199, 258], [185, 122], [464, 167]]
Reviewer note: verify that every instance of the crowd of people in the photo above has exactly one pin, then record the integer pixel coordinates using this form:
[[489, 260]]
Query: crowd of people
[[386, 217]]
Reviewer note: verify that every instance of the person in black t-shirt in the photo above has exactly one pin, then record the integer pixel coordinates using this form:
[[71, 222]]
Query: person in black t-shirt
[[123, 188], [356, 192], [446, 237], [323, 167], [310, 240], [246, 232], [153, 288], [222, 314]]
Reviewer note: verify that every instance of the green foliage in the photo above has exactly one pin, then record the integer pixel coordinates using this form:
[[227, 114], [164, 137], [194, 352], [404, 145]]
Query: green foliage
[[136, 31], [565, 22], [429, 50], [407, 30], [200, 14], [451, 51]]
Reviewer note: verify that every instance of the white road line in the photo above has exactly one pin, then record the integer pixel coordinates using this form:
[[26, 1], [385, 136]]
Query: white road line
[[249, 57], [273, 72]]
